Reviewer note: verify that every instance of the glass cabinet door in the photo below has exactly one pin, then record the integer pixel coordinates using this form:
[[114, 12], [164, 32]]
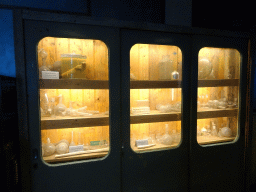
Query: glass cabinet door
[[74, 99], [217, 139], [218, 95], [73, 108], [155, 97], [155, 129]]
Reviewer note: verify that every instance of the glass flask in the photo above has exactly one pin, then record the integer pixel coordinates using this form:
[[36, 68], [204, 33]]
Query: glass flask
[[166, 139], [204, 68], [46, 111], [48, 148], [165, 68], [60, 108], [61, 147], [225, 132], [43, 55], [214, 130]]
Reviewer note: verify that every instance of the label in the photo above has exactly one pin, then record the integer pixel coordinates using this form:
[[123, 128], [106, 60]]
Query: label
[[140, 110], [50, 75], [93, 143], [76, 148], [142, 142]]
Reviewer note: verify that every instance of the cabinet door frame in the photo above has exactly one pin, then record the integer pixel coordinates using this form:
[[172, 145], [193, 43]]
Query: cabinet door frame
[[208, 175], [144, 163], [98, 173]]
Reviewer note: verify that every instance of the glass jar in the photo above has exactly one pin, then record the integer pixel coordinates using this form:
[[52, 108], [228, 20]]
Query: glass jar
[[73, 66], [165, 68]]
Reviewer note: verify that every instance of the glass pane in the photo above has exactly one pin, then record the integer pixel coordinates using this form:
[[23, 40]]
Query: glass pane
[[155, 97], [218, 95], [74, 99]]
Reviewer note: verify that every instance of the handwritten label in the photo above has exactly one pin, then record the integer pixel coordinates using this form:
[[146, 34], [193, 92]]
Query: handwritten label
[[141, 142], [76, 148], [50, 75]]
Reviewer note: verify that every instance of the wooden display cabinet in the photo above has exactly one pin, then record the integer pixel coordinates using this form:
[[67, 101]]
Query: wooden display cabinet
[[90, 91], [125, 69]]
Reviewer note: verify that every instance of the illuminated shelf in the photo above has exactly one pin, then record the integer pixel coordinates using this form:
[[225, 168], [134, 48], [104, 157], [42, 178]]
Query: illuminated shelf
[[155, 84], [53, 159], [147, 84], [103, 120], [144, 84], [71, 122], [218, 83], [214, 113], [202, 140]]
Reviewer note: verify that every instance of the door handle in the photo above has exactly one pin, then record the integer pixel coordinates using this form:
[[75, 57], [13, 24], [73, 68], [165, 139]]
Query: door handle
[[35, 154]]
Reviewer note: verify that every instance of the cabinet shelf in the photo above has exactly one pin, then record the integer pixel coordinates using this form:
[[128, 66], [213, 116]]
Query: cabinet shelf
[[103, 120], [73, 84], [201, 140], [71, 122], [143, 84], [218, 83]]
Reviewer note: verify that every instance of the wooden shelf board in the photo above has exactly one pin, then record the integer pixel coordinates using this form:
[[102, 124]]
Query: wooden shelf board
[[143, 84], [147, 84], [103, 120], [201, 140], [73, 84], [211, 140], [218, 83], [52, 159], [155, 116], [214, 113], [71, 122]]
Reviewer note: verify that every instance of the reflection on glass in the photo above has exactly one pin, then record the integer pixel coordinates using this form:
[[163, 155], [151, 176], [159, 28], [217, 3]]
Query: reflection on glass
[[74, 122], [218, 95], [155, 111]]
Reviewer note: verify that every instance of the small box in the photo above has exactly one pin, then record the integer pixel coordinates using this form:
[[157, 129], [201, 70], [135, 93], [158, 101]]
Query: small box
[[142, 142], [76, 148]]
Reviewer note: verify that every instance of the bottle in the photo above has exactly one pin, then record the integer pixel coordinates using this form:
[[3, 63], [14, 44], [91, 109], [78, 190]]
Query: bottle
[[165, 67], [52, 106], [48, 148], [214, 130], [175, 75], [43, 54], [166, 138], [60, 108], [45, 104]]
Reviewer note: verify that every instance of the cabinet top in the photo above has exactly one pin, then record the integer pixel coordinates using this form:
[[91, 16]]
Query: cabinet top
[[78, 19]]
